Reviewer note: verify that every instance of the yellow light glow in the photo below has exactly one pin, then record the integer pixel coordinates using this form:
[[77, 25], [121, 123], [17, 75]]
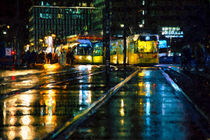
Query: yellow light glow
[[122, 112], [40, 40], [12, 120], [26, 120], [51, 66], [141, 84], [141, 74], [122, 121], [26, 132], [53, 36], [122, 103], [11, 135]]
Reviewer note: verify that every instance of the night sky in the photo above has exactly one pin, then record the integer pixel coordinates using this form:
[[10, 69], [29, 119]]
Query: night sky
[[8, 9]]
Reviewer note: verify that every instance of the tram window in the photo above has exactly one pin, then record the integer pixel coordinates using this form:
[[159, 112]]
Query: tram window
[[87, 51], [113, 50], [84, 50], [120, 49], [97, 52], [136, 47], [80, 51]]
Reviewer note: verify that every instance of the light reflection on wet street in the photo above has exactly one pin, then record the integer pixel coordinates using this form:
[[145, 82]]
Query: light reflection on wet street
[[38, 111], [147, 107]]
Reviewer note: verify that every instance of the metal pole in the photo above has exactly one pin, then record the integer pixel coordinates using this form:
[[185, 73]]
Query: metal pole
[[17, 35], [124, 33], [106, 33], [124, 42]]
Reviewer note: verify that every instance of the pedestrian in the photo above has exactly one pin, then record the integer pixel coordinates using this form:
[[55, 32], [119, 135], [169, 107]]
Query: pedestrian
[[200, 56], [68, 56], [28, 58], [49, 58], [72, 57], [186, 57]]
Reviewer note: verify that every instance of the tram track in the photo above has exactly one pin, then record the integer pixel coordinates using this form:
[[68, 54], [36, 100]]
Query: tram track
[[80, 75]]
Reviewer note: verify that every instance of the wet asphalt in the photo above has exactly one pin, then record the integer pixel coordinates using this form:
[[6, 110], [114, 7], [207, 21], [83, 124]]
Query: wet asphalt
[[34, 103], [148, 108]]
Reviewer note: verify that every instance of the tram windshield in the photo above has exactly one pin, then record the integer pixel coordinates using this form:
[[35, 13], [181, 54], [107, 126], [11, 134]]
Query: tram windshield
[[147, 44], [84, 49]]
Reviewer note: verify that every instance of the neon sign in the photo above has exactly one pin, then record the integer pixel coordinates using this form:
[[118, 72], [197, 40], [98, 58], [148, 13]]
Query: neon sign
[[172, 32]]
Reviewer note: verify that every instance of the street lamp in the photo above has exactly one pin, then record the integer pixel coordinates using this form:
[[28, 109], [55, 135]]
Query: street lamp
[[141, 25], [122, 25], [53, 36]]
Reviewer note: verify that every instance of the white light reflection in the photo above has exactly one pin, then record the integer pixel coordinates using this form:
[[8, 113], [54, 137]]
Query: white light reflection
[[50, 102], [147, 88], [148, 108], [12, 120], [85, 67], [122, 111], [148, 111], [147, 72], [26, 132], [26, 120], [85, 97], [13, 112]]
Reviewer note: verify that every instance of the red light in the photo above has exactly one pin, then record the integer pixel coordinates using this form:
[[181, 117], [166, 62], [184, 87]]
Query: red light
[[13, 52]]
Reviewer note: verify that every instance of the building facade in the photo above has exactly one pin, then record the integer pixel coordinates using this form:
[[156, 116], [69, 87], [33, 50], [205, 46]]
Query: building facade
[[58, 20], [120, 13], [172, 19]]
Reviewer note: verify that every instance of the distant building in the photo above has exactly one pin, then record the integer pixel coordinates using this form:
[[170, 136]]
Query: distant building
[[172, 19], [84, 3], [59, 20], [121, 12]]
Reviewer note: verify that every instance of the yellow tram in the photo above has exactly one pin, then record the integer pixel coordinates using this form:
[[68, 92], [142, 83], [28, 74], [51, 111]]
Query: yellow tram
[[88, 52], [140, 49]]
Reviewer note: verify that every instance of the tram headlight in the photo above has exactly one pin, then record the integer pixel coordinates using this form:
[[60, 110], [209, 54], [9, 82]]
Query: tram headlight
[[89, 57]]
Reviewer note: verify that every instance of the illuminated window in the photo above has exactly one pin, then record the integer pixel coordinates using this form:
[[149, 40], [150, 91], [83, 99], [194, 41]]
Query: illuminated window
[[84, 4], [143, 2], [60, 16], [143, 21]]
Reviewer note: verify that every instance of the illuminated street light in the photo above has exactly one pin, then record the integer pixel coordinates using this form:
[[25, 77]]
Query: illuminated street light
[[141, 25], [40, 40], [53, 36], [122, 25], [31, 43]]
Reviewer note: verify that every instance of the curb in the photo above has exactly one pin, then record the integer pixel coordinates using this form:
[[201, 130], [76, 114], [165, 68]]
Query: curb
[[69, 127], [178, 89]]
